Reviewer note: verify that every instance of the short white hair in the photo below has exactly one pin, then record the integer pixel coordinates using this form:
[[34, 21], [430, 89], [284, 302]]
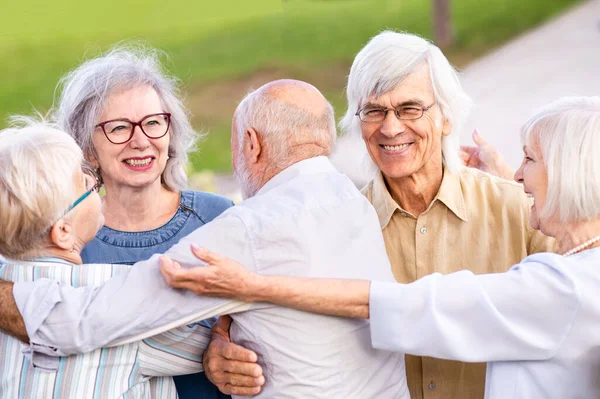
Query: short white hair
[[567, 134], [280, 123], [38, 164], [385, 62], [86, 90]]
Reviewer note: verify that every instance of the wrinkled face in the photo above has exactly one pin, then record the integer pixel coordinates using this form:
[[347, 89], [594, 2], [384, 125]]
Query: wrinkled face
[[139, 162], [401, 148], [86, 218], [534, 176]]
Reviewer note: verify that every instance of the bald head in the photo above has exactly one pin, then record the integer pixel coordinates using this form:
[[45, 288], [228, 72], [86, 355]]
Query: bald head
[[289, 116], [297, 93]]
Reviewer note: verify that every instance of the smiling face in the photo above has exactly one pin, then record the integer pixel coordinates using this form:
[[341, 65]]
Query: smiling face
[[401, 148], [534, 176], [139, 162]]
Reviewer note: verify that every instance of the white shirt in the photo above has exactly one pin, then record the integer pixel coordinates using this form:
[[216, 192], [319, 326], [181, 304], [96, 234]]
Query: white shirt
[[308, 221], [537, 325]]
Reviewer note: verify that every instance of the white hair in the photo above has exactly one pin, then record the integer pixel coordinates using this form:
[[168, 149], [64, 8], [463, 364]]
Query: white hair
[[38, 164], [384, 63], [567, 134], [86, 90], [281, 123], [282, 126]]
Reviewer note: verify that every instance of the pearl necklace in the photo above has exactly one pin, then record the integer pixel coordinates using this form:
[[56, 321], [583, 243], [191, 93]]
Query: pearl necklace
[[582, 246]]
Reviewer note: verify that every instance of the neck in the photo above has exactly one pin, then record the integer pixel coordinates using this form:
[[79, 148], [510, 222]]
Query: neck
[[296, 153], [139, 209], [569, 236], [415, 193], [73, 256]]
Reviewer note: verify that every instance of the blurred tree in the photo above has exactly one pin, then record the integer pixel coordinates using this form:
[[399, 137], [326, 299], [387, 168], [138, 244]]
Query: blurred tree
[[443, 34]]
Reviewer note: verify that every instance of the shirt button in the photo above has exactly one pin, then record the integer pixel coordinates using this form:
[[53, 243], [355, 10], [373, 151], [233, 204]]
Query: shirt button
[[432, 386], [404, 214], [423, 230]]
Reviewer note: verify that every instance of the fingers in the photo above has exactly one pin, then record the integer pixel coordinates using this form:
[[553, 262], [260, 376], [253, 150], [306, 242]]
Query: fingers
[[232, 368], [205, 255], [465, 156], [478, 138], [238, 354], [222, 326], [230, 389], [177, 277]]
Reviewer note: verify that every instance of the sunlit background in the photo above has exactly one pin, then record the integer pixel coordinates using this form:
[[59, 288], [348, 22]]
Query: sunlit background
[[221, 49]]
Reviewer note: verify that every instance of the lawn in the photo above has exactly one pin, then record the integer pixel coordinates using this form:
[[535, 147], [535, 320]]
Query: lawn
[[220, 50]]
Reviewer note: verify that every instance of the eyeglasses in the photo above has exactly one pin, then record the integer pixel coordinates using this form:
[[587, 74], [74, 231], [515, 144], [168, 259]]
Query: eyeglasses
[[120, 131], [371, 114], [92, 184]]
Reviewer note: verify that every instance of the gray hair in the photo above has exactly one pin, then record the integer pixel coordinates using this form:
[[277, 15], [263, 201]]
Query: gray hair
[[568, 136], [85, 92], [385, 62], [281, 123], [38, 164]]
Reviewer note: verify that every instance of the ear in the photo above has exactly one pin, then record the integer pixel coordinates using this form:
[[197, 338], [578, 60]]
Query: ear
[[92, 160], [252, 146], [62, 236], [446, 128]]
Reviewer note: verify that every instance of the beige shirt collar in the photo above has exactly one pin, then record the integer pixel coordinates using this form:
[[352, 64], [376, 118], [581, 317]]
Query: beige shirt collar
[[450, 194]]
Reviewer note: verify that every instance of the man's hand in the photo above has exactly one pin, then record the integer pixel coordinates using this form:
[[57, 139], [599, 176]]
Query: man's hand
[[222, 277], [485, 157], [11, 321], [230, 367]]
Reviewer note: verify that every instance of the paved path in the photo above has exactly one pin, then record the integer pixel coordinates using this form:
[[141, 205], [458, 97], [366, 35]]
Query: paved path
[[560, 58]]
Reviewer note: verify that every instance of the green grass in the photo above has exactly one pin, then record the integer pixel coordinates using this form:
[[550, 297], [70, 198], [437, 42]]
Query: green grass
[[213, 45]]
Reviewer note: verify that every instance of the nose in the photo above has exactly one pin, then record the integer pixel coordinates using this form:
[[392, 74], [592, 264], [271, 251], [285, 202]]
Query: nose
[[392, 126], [519, 173], [139, 140]]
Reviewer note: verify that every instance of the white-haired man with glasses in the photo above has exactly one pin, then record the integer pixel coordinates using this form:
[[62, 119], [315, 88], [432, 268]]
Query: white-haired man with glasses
[[406, 102]]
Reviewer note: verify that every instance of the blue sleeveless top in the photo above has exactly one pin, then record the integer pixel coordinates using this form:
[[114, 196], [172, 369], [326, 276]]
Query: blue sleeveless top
[[112, 246]]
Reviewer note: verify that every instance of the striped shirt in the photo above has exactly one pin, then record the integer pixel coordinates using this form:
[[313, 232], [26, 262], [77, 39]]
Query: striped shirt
[[141, 369]]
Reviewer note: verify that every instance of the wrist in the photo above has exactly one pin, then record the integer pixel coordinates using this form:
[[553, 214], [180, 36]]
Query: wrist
[[255, 286]]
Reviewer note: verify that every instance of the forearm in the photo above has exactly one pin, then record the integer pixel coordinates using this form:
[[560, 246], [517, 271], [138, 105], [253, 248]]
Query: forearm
[[336, 297], [11, 321]]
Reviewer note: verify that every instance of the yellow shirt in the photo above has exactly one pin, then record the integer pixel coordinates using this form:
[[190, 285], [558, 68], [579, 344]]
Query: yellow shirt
[[477, 222]]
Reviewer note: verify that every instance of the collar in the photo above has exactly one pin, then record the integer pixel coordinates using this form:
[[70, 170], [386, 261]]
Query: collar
[[320, 164], [450, 194]]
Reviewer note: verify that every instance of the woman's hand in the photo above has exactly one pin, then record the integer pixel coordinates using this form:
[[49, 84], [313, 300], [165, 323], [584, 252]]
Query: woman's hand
[[221, 277]]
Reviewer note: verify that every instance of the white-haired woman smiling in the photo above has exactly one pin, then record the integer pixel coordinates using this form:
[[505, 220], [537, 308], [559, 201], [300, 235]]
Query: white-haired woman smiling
[[50, 209], [536, 325], [126, 113]]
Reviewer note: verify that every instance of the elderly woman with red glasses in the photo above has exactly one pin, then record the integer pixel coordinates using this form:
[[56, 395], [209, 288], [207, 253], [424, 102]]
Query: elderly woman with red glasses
[[125, 113], [50, 211]]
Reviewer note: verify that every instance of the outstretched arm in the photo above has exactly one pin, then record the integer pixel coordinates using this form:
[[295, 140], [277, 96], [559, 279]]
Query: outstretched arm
[[460, 316], [62, 320], [224, 277]]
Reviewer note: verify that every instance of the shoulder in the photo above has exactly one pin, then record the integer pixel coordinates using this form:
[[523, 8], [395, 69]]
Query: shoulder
[[206, 204], [367, 191], [551, 267], [495, 192]]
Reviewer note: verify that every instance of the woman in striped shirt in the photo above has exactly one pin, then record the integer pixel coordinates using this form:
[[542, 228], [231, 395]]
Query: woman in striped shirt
[[50, 210]]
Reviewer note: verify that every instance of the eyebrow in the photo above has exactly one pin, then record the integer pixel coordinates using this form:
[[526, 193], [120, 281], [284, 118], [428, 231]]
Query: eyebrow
[[402, 104]]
